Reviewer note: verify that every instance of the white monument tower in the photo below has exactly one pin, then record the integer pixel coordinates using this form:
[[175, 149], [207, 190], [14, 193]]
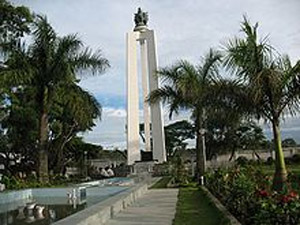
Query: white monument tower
[[145, 38]]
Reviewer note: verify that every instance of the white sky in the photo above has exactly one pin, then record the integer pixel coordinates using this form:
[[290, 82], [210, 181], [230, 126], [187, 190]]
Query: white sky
[[185, 30]]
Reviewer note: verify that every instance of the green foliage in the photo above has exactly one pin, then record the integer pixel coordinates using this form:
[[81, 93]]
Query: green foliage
[[289, 142], [271, 82], [228, 134], [175, 135], [14, 23], [15, 183], [179, 171], [21, 124], [75, 151], [242, 161], [296, 158], [246, 191], [44, 96], [188, 87]]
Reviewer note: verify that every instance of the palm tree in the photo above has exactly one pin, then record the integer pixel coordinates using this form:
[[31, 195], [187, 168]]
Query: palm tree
[[51, 63], [272, 82], [188, 87]]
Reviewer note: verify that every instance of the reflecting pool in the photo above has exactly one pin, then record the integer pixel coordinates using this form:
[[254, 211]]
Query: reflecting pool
[[48, 205]]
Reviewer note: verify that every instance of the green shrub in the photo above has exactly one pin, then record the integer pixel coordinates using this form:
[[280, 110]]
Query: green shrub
[[296, 158], [12, 182], [270, 161], [179, 172], [242, 161], [246, 192]]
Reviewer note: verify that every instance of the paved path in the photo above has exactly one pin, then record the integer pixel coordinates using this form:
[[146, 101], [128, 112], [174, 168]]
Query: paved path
[[156, 207]]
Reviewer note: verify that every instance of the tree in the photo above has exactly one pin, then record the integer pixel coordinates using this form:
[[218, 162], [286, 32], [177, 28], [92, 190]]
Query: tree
[[51, 63], [14, 23], [74, 110], [272, 81], [251, 136], [21, 128], [230, 124], [188, 87], [175, 135], [76, 149], [289, 142]]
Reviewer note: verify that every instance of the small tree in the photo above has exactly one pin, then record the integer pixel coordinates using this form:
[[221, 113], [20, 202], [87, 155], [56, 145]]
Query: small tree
[[272, 84]]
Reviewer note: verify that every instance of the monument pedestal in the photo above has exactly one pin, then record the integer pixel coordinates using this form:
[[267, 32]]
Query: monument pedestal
[[143, 167]]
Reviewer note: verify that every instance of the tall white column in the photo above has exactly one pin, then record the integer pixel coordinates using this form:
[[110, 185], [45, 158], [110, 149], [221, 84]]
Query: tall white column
[[146, 39], [158, 136], [145, 95], [133, 151]]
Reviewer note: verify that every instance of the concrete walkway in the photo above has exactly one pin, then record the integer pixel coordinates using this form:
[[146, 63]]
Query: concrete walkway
[[156, 207]]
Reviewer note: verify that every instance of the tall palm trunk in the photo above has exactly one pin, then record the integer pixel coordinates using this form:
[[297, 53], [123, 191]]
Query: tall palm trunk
[[43, 141], [200, 147], [280, 175]]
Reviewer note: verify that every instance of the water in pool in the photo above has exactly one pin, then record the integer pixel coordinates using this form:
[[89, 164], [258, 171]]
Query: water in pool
[[52, 204]]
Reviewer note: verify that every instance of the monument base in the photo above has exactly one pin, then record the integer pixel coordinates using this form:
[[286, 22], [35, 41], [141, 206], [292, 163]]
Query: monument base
[[146, 156], [143, 167]]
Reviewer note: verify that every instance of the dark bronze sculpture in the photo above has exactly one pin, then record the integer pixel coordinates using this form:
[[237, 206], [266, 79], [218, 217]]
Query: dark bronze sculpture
[[141, 20]]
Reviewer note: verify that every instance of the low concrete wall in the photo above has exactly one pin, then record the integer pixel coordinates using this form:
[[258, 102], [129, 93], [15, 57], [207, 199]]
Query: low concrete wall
[[221, 207], [103, 211], [13, 199], [12, 196]]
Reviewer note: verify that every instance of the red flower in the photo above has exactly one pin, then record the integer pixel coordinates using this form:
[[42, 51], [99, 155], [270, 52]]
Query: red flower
[[285, 199], [293, 194], [263, 193]]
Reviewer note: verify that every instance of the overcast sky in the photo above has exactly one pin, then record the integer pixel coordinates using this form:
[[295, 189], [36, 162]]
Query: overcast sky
[[185, 30]]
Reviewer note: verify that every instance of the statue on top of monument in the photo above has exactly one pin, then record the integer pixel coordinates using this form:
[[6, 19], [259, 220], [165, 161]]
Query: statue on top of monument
[[140, 19]]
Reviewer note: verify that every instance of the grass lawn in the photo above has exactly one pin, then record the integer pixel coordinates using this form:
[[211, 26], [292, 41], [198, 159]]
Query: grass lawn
[[195, 208], [270, 169], [162, 183]]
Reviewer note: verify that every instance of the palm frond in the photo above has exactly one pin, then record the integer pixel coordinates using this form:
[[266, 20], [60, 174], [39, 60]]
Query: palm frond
[[61, 68], [44, 42], [185, 85], [211, 64], [246, 57], [17, 69], [170, 96], [79, 105], [94, 61], [290, 86], [170, 74]]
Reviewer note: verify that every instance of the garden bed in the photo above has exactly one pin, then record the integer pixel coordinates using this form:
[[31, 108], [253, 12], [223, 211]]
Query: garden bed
[[246, 191]]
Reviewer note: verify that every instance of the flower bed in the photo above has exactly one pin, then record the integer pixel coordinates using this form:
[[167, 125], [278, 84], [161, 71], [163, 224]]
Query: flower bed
[[246, 192]]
